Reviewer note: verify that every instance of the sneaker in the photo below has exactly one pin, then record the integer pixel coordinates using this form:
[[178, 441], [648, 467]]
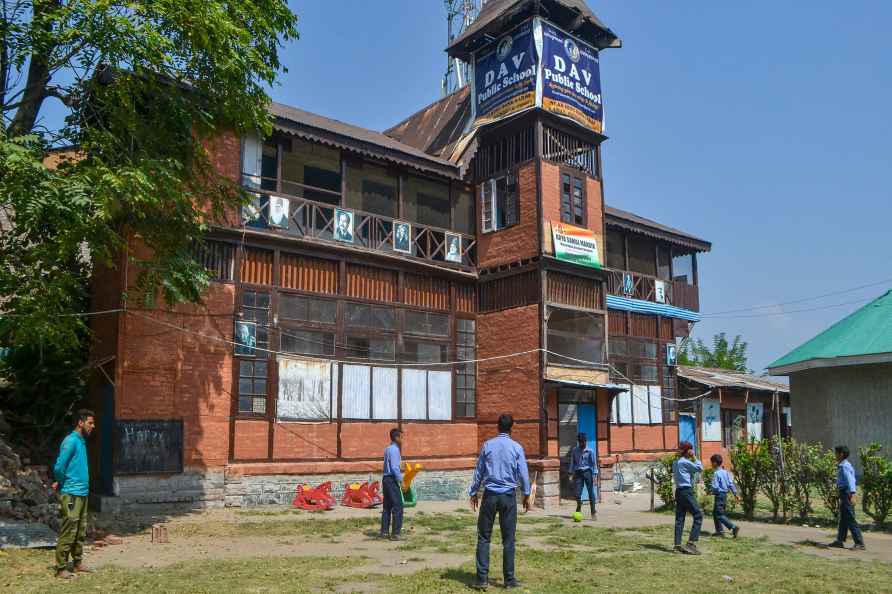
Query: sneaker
[[482, 586], [859, 547], [836, 545], [691, 549], [735, 531], [64, 574], [718, 534], [397, 537], [512, 584], [678, 549], [81, 568]]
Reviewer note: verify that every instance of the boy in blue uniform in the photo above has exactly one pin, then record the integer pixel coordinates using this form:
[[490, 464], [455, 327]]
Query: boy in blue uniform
[[583, 469], [845, 483], [721, 484], [392, 484], [72, 476], [684, 472]]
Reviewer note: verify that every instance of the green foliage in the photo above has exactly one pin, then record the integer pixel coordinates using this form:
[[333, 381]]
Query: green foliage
[[748, 463], [148, 86], [774, 479], [722, 355], [876, 483], [663, 480], [825, 481], [803, 460]]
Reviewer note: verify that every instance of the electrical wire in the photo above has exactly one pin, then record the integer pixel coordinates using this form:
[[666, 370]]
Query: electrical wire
[[783, 313]]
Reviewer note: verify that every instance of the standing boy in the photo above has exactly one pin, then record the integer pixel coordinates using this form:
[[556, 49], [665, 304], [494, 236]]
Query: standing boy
[[845, 483], [684, 471], [392, 485], [73, 483], [501, 469], [583, 469], [721, 484]]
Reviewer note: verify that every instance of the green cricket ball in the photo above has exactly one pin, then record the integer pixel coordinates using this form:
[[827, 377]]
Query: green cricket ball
[[577, 516]]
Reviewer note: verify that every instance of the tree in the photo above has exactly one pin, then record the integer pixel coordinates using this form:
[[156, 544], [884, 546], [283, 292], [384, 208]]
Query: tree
[[722, 355], [145, 86]]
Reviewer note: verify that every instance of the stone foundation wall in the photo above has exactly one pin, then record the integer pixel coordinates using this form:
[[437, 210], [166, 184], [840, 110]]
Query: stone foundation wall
[[189, 489]]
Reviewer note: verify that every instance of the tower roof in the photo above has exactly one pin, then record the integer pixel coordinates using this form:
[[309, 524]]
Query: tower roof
[[863, 337], [498, 16]]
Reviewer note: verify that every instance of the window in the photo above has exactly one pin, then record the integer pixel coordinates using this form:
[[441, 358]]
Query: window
[[575, 334], [643, 350], [639, 404], [422, 351], [372, 189], [376, 349], [733, 427], [664, 262], [572, 200], [618, 347], [307, 309], [427, 395], [642, 255], [252, 386], [683, 268], [311, 170], [307, 342], [463, 215], [616, 250], [269, 164], [255, 308], [358, 315], [670, 405], [427, 202], [424, 323], [466, 374], [499, 203]]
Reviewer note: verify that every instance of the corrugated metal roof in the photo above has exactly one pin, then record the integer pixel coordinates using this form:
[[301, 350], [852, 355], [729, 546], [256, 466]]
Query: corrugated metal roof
[[728, 378], [437, 127], [498, 15], [649, 307], [627, 220], [865, 333], [294, 120]]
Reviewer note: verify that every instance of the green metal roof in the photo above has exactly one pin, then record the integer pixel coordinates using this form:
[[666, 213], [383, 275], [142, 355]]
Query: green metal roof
[[866, 332]]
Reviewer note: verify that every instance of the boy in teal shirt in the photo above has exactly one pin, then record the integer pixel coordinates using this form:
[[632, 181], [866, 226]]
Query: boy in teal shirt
[[73, 484]]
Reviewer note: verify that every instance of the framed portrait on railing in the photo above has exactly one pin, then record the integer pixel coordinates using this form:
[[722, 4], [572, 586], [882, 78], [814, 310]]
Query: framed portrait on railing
[[402, 237], [343, 227], [279, 210], [453, 248]]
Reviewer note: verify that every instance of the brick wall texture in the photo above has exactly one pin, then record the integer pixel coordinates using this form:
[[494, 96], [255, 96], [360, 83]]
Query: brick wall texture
[[520, 241]]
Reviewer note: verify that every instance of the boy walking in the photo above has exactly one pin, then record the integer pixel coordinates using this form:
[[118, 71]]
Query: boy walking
[[391, 484], [73, 483], [583, 469], [685, 471], [845, 483], [721, 484], [501, 469]]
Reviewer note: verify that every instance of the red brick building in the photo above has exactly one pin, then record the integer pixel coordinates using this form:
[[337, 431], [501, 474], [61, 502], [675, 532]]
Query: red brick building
[[417, 277]]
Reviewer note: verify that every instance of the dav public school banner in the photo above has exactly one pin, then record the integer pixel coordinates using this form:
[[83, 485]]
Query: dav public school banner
[[571, 78], [505, 75], [575, 244]]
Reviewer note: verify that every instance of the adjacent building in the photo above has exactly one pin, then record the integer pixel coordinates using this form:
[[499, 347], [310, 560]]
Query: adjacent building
[[841, 381], [457, 266]]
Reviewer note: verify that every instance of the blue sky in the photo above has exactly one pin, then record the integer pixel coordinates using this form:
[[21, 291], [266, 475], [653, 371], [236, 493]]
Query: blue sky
[[761, 126]]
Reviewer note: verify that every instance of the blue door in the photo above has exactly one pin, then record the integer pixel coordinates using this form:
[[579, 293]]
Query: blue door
[[586, 422], [687, 429]]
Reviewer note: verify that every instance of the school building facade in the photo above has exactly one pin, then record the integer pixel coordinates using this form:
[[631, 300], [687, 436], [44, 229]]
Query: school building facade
[[454, 267]]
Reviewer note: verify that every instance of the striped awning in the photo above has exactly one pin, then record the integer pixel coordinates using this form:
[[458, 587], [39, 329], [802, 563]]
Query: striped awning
[[648, 307]]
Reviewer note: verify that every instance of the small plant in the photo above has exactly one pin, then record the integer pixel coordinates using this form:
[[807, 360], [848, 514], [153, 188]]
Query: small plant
[[876, 497], [663, 480], [745, 459], [825, 481]]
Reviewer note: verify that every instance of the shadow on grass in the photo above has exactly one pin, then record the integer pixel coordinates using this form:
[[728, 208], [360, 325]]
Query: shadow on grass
[[657, 547], [461, 576]]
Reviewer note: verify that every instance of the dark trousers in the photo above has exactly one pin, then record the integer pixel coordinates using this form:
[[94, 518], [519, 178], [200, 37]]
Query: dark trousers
[[718, 513], [505, 504], [393, 506], [686, 502], [584, 478], [847, 520]]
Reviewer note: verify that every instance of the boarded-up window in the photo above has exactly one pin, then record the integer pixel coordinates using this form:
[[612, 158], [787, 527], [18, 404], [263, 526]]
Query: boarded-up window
[[384, 393], [305, 390], [427, 395], [414, 396], [439, 387], [356, 394]]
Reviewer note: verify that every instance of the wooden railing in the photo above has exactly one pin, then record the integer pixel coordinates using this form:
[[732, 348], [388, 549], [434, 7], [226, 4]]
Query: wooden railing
[[313, 219], [644, 287]]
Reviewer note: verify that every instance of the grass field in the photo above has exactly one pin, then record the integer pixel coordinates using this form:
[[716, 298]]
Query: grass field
[[553, 556]]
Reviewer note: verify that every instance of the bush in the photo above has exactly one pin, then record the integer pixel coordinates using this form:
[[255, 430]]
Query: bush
[[825, 481], [663, 480], [876, 483], [802, 471], [747, 465], [773, 471]]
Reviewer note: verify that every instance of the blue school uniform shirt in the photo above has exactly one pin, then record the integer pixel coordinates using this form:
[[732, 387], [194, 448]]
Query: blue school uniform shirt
[[722, 482], [582, 459], [501, 467], [392, 461], [684, 471], [71, 469], [845, 476]]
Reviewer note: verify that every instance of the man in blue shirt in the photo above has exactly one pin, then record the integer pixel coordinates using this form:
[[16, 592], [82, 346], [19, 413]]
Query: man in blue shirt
[[845, 483], [73, 483], [684, 471], [501, 469], [391, 485], [721, 484], [583, 469]]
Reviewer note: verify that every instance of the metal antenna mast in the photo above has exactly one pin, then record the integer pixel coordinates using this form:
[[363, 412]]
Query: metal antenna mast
[[459, 15]]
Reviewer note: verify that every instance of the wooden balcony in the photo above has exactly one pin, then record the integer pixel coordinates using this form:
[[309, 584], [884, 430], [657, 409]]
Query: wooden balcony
[[644, 287], [313, 219]]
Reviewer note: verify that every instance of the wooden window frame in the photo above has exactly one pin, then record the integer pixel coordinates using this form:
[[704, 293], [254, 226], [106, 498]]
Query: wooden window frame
[[455, 372], [508, 175], [575, 175]]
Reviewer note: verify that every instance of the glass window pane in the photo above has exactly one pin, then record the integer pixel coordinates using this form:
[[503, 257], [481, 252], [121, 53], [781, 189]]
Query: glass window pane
[[260, 369], [372, 189], [383, 318], [245, 386], [269, 166], [248, 298], [245, 404], [260, 386], [425, 352], [358, 315], [292, 307], [419, 322], [618, 346], [322, 311], [246, 368], [427, 202], [577, 335], [307, 343], [263, 300]]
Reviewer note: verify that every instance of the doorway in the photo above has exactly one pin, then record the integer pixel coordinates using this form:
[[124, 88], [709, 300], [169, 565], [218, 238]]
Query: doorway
[[577, 413], [687, 429]]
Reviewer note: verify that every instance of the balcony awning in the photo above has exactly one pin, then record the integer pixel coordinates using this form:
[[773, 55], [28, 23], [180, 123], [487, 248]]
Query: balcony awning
[[611, 388], [649, 307]]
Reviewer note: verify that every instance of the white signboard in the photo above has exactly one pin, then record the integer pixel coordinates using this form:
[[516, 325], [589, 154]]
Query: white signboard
[[304, 390], [660, 291], [711, 427], [754, 421]]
